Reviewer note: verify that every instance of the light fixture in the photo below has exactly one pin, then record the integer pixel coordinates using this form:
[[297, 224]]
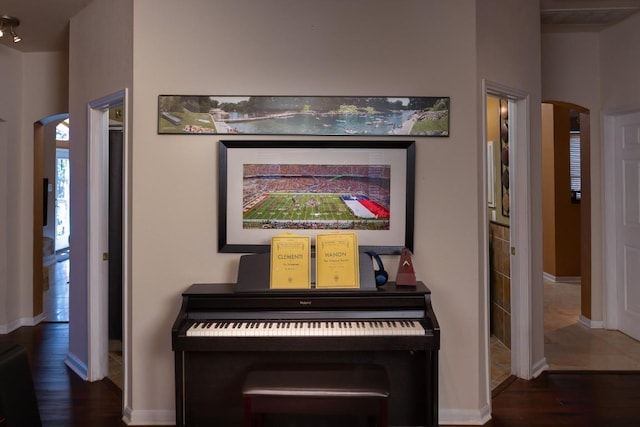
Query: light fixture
[[9, 23]]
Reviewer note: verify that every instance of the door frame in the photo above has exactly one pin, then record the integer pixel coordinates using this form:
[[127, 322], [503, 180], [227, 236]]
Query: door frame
[[38, 203], [520, 235], [97, 237]]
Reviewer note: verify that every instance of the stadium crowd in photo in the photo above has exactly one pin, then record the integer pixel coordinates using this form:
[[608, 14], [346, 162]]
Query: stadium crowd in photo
[[296, 196]]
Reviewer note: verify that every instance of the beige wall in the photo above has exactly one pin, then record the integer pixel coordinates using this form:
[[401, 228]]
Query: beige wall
[[508, 46], [332, 51], [44, 94], [33, 87], [561, 231], [100, 64], [619, 65], [10, 106], [4, 169]]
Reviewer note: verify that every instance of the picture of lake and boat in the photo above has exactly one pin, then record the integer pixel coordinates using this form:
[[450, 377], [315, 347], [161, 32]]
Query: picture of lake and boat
[[294, 115]]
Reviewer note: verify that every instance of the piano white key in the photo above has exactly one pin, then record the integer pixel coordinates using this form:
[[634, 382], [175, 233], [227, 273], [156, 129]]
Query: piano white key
[[306, 328]]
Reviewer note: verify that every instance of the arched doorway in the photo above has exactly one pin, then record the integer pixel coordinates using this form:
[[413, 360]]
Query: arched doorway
[[44, 149], [566, 192]]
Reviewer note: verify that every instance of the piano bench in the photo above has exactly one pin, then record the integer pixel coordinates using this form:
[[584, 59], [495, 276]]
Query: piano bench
[[361, 390]]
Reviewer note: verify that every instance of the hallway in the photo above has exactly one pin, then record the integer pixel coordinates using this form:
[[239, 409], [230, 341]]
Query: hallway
[[56, 298], [569, 345], [56, 310]]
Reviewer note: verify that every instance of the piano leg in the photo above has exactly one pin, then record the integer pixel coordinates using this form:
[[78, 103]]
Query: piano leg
[[179, 386], [431, 404]]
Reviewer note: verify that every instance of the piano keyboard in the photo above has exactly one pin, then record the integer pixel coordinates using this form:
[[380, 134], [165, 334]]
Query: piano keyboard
[[305, 328]]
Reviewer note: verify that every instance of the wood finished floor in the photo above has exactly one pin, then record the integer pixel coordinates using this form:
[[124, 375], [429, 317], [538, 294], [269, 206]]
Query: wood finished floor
[[580, 399], [557, 398]]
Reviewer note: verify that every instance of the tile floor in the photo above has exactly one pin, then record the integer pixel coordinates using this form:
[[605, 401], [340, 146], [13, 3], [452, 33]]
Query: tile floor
[[569, 345], [56, 298]]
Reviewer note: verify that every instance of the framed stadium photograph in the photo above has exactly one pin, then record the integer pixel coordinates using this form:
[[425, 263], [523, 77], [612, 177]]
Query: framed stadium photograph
[[267, 188]]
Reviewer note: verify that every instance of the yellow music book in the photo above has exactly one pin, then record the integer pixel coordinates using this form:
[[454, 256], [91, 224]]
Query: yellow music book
[[337, 264], [290, 261]]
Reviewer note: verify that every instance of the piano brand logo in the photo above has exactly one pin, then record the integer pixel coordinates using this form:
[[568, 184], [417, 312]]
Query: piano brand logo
[[305, 302]]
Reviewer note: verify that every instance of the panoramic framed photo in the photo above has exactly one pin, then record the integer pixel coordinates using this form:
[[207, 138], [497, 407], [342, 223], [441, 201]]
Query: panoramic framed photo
[[266, 188], [424, 116]]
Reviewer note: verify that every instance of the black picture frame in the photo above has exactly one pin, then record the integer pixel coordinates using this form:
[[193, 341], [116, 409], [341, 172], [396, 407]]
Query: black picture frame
[[233, 155]]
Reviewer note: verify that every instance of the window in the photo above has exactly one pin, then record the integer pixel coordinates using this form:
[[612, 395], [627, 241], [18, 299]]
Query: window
[[63, 222], [574, 166], [62, 131]]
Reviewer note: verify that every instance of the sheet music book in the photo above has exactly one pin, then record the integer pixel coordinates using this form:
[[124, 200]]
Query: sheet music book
[[290, 262], [337, 264]]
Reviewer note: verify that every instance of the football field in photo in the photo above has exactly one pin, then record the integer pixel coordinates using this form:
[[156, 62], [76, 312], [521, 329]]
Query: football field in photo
[[302, 208]]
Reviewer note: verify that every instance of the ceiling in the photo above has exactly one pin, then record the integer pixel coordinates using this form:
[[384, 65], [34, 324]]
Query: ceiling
[[44, 24], [584, 15]]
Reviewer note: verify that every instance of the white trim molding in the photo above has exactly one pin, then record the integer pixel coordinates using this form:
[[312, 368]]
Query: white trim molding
[[7, 328], [522, 338], [539, 367], [147, 417], [464, 417], [591, 324], [561, 279], [77, 366]]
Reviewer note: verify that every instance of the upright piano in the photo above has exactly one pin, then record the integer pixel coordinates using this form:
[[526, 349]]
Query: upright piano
[[220, 334]]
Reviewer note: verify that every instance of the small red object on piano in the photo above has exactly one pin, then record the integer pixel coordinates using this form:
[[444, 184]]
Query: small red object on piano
[[406, 275]]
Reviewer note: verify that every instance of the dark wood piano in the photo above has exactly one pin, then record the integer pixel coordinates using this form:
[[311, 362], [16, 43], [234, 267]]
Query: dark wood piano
[[220, 334]]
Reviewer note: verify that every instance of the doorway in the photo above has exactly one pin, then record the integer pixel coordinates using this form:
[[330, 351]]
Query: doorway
[[521, 324], [566, 219], [48, 248], [115, 313], [100, 361], [498, 209]]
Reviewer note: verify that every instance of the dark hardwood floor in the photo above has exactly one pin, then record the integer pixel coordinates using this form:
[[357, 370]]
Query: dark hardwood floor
[[65, 400], [580, 399], [570, 398]]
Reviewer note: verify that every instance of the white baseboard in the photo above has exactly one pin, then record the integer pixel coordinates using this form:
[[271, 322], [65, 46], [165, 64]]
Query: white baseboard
[[7, 328], [540, 367], [464, 417], [142, 417], [77, 366], [591, 324], [39, 318], [561, 279]]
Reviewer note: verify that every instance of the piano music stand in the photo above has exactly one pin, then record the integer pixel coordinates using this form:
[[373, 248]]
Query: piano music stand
[[254, 274]]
